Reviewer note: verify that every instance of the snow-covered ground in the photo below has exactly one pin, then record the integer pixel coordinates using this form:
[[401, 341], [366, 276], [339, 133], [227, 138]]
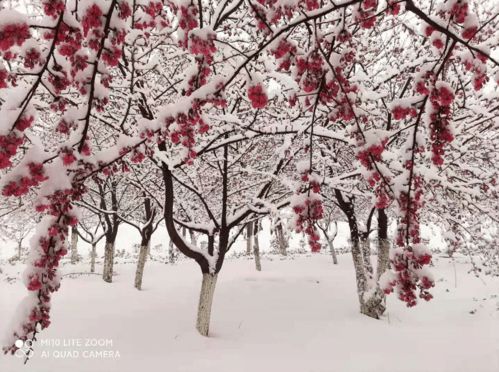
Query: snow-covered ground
[[299, 314]]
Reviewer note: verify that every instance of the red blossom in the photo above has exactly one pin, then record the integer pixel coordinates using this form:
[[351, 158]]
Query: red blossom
[[91, 19], [400, 113], [13, 34], [257, 96], [32, 57], [34, 284], [24, 122], [469, 32], [203, 45], [124, 10], [53, 8]]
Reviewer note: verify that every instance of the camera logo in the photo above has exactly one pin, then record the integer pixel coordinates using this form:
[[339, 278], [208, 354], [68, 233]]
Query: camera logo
[[24, 349]]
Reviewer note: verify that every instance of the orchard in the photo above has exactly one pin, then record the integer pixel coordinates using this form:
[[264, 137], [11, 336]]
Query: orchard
[[203, 122]]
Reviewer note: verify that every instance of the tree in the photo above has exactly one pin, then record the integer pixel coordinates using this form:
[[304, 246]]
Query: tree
[[14, 229], [90, 232], [324, 226]]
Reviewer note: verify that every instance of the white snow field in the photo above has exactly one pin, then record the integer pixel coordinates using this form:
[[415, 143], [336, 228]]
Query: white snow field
[[299, 314]]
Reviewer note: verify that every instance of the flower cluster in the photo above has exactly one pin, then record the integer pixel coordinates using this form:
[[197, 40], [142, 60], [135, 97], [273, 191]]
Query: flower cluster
[[307, 206], [53, 8], [366, 13], [124, 10], [181, 128], [9, 143], [400, 112], [393, 7], [410, 257], [32, 57], [284, 52], [21, 186], [257, 96], [309, 71], [409, 275], [460, 14], [441, 99], [378, 184], [92, 20], [69, 40], [370, 154], [202, 43], [47, 248], [13, 34], [187, 15], [8, 148], [4, 77], [477, 65]]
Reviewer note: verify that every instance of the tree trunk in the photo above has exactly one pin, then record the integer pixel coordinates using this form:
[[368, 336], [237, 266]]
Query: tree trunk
[[139, 273], [281, 240], [374, 306], [93, 254], [107, 272], [194, 240], [171, 253], [331, 248], [256, 249], [205, 302], [383, 257], [331, 241], [249, 238], [365, 245], [360, 275], [74, 246]]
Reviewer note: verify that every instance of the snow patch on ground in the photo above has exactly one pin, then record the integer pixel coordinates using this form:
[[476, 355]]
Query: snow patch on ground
[[298, 314]]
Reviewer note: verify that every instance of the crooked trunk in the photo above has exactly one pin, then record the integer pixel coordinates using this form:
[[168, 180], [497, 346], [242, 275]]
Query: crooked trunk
[[93, 254], [141, 263], [205, 303], [107, 272]]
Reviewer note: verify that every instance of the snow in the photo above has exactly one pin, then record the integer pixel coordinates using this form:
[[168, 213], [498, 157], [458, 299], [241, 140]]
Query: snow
[[10, 16], [298, 314]]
